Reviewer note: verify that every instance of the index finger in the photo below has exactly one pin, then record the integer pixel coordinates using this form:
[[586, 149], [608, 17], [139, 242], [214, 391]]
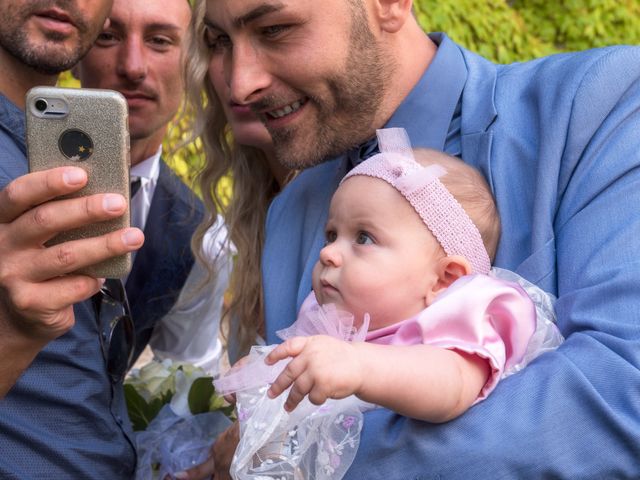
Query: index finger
[[35, 188], [290, 348]]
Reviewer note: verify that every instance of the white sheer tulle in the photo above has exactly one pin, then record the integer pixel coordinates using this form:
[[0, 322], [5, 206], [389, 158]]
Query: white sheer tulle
[[312, 442], [546, 337]]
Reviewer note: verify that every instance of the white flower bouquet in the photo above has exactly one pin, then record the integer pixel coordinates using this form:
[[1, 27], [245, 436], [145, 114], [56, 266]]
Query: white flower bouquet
[[176, 415]]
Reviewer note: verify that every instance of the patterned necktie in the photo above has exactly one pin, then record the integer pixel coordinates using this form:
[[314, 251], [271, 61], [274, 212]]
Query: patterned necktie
[[364, 151], [135, 185]]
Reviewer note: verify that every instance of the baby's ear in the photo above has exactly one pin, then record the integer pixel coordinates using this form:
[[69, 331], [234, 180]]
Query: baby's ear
[[449, 269]]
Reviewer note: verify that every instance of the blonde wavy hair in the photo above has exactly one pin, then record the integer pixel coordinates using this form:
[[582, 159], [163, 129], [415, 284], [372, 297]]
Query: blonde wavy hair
[[245, 209]]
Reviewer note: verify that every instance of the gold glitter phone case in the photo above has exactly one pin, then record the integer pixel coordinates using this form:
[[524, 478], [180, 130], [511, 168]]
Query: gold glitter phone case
[[86, 128]]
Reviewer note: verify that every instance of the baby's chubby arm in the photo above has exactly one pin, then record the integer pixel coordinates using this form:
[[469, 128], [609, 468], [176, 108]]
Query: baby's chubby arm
[[419, 381]]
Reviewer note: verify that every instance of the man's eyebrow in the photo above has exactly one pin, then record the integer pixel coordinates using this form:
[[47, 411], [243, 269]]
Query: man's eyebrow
[[250, 16], [256, 13], [154, 26], [163, 26]]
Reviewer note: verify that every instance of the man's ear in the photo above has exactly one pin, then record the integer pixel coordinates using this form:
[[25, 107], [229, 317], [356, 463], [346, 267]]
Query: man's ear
[[392, 14], [448, 270]]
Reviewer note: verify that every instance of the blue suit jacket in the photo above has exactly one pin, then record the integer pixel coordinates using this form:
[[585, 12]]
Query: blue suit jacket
[[559, 142], [163, 263]]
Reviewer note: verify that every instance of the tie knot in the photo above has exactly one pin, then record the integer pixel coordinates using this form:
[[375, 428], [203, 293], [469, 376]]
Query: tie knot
[[363, 152], [135, 185]]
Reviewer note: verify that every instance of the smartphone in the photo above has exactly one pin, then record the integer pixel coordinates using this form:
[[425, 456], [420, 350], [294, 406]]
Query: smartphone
[[86, 128]]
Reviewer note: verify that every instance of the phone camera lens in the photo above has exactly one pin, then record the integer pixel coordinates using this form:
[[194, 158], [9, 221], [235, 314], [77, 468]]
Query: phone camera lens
[[41, 105]]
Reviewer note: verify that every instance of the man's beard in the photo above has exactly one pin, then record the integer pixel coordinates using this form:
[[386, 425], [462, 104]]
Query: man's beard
[[345, 119], [49, 58]]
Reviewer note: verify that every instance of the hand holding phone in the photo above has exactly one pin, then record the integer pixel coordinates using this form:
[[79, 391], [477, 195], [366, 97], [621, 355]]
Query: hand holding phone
[[86, 128]]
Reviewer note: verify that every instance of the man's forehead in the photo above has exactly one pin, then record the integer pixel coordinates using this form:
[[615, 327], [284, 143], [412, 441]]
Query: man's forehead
[[238, 13], [154, 14]]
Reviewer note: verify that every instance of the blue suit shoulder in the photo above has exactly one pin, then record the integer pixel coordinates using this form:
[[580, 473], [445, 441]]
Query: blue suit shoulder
[[559, 74], [604, 72], [574, 64]]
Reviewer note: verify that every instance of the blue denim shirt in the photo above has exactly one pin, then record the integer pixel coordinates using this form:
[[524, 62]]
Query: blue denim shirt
[[63, 419]]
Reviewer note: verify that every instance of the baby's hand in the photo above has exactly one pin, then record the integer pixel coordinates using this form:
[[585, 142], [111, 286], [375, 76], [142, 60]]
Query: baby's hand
[[322, 367]]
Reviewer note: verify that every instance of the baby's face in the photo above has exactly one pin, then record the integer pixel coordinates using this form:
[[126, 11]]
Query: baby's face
[[379, 257]]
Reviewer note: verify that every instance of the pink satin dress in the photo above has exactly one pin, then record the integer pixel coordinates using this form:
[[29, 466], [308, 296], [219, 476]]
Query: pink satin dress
[[477, 314]]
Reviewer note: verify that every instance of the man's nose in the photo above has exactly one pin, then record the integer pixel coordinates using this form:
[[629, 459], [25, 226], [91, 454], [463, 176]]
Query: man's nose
[[132, 63], [245, 73]]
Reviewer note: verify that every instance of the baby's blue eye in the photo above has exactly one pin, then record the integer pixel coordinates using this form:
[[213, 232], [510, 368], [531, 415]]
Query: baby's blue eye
[[363, 238]]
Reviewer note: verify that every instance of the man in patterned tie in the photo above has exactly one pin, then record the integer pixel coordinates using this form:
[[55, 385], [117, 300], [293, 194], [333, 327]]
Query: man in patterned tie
[[140, 55]]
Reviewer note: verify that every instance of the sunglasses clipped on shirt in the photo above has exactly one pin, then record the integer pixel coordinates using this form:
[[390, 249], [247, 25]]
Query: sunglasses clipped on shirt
[[117, 332]]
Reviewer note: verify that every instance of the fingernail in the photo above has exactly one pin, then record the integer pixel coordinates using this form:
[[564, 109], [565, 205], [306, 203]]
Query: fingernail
[[74, 176], [181, 475], [131, 237], [113, 203]]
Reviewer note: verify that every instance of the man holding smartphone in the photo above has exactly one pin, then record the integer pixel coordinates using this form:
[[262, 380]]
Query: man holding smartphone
[[140, 55], [61, 416]]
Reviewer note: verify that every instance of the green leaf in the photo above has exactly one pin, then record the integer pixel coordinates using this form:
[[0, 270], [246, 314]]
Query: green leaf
[[142, 413], [201, 392], [137, 407]]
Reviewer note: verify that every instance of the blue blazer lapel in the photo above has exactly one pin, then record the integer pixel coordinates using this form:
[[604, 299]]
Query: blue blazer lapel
[[478, 112]]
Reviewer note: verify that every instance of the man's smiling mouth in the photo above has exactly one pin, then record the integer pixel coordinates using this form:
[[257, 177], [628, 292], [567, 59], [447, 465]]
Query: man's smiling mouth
[[287, 110]]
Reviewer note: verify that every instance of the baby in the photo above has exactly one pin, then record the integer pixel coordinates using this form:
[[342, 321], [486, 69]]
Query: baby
[[408, 254]]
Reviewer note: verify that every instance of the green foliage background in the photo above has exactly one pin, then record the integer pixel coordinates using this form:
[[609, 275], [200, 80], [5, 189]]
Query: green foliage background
[[517, 30], [500, 30]]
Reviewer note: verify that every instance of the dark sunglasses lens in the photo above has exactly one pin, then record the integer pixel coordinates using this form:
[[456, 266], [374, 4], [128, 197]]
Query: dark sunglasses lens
[[118, 334], [120, 348]]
